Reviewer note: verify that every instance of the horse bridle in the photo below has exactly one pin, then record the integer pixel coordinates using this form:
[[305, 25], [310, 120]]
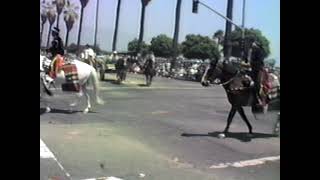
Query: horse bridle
[[228, 81]]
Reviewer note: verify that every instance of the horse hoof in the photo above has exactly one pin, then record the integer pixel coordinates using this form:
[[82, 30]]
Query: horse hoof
[[73, 104], [48, 109], [100, 102], [221, 136], [86, 111]]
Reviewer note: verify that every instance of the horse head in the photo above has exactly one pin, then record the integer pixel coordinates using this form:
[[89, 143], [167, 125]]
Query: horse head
[[212, 73]]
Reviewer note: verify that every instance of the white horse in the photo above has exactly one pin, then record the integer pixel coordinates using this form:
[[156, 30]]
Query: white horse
[[86, 74]]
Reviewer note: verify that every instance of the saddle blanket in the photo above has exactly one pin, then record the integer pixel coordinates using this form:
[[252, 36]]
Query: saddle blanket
[[71, 77]]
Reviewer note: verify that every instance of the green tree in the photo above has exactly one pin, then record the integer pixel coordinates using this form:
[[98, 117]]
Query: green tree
[[162, 46], [133, 46], [251, 35], [70, 16], [199, 47], [83, 5]]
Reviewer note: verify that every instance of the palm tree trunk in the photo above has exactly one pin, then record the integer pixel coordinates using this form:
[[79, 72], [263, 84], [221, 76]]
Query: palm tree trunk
[[96, 26], [67, 38], [115, 34], [143, 10], [80, 28], [41, 33], [176, 32], [58, 18], [49, 34]]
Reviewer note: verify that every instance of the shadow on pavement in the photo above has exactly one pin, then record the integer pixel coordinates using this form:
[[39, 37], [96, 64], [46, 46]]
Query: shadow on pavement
[[110, 80], [143, 85], [241, 136], [61, 111]]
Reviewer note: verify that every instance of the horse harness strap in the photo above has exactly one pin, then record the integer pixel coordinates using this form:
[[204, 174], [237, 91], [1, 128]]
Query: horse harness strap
[[229, 81]]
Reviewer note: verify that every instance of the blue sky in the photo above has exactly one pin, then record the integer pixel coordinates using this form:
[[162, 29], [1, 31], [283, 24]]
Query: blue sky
[[260, 14]]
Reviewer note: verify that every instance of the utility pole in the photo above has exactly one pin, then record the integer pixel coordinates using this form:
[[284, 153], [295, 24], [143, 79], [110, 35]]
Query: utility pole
[[96, 26], [243, 30], [227, 49], [115, 34], [176, 33]]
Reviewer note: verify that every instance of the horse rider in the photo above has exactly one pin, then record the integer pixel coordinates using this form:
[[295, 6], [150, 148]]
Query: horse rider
[[121, 67], [150, 61], [89, 56], [256, 66], [56, 52]]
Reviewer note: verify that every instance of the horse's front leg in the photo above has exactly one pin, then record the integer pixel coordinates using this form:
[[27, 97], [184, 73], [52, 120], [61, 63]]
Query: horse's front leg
[[46, 104], [230, 118], [244, 117]]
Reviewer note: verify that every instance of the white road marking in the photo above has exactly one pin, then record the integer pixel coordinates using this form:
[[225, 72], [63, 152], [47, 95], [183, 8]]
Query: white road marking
[[246, 163], [104, 178], [45, 153]]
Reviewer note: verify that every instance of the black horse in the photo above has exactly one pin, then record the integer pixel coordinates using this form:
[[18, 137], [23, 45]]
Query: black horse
[[238, 87], [121, 69], [149, 70]]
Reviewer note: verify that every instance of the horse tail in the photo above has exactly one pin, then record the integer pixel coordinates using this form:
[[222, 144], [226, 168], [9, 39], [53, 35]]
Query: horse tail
[[96, 86]]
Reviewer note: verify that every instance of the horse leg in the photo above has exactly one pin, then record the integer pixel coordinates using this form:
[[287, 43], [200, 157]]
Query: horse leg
[[244, 117], [151, 79], [88, 108], [48, 109], [44, 99], [147, 80], [230, 118]]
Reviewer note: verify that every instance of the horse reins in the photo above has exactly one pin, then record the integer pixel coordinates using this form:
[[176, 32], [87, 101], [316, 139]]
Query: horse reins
[[227, 82]]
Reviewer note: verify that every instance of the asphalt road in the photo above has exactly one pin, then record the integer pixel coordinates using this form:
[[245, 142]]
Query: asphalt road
[[166, 131]]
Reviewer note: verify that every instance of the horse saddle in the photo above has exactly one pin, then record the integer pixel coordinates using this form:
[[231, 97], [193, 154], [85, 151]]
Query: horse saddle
[[240, 83], [71, 78]]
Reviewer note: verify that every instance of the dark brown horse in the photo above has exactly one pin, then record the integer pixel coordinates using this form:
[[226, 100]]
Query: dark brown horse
[[238, 87]]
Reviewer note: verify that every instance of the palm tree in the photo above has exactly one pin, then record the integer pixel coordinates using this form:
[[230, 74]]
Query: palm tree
[[115, 34], [51, 14], [70, 16], [96, 26], [219, 36], [59, 5], [176, 31], [144, 3], [83, 5], [43, 15]]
